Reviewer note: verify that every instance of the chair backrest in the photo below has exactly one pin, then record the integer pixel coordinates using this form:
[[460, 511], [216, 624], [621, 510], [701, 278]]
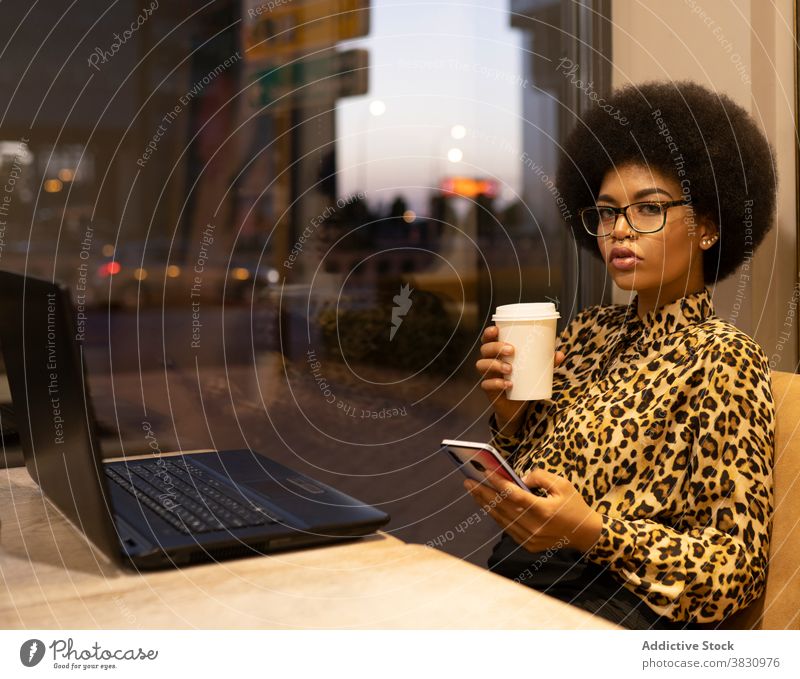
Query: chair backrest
[[779, 606]]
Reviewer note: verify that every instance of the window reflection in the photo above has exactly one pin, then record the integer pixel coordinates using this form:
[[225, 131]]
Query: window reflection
[[288, 222]]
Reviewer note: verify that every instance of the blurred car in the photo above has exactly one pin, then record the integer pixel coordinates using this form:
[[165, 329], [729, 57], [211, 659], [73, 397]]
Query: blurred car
[[137, 276]]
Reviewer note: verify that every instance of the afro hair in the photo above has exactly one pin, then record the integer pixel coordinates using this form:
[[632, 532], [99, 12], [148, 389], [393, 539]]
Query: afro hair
[[703, 139]]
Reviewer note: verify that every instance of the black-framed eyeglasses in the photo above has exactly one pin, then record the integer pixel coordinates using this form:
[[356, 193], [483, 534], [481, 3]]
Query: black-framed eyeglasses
[[645, 217]]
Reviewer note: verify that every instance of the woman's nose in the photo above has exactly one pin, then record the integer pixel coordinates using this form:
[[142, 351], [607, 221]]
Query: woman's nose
[[621, 227]]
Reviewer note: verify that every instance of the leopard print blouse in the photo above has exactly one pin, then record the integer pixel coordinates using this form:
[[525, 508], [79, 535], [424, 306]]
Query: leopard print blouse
[[666, 426]]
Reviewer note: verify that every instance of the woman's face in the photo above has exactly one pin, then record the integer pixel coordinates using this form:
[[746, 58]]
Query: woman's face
[[668, 262]]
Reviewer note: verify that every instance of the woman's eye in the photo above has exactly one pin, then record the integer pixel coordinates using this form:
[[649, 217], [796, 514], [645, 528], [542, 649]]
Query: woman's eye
[[648, 209]]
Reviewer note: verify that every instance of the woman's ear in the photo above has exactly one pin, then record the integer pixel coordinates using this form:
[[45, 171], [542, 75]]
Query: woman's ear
[[708, 233]]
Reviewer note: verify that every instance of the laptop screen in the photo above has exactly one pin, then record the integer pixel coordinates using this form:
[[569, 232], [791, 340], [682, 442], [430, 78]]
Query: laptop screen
[[54, 416]]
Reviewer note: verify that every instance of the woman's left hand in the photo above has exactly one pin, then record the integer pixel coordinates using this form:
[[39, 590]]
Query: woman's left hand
[[538, 523]]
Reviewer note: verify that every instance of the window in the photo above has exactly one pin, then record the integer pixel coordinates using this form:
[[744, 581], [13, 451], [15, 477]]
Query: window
[[288, 223]]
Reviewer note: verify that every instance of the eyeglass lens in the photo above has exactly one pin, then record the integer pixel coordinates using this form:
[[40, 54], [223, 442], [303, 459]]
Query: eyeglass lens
[[643, 216]]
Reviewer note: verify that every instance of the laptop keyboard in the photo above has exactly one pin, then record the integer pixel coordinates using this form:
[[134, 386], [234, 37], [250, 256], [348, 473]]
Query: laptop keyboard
[[187, 497]]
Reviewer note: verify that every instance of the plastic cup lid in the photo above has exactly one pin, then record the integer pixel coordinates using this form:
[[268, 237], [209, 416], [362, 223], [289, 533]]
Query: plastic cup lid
[[530, 311]]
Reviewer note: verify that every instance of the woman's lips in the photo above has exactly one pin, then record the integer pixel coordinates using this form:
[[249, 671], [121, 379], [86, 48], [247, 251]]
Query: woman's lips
[[623, 259], [624, 263]]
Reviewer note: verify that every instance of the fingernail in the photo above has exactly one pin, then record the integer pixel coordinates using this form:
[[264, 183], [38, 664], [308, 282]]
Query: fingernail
[[506, 368], [508, 384], [507, 350]]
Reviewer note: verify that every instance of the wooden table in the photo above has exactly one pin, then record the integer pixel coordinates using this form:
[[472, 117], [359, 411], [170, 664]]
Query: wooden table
[[53, 579]]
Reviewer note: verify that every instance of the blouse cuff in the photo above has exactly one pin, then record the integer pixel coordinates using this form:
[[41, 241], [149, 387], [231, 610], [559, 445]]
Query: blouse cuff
[[502, 440], [616, 543]]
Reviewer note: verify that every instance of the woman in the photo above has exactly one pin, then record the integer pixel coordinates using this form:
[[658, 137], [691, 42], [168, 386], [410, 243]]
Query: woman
[[656, 447]]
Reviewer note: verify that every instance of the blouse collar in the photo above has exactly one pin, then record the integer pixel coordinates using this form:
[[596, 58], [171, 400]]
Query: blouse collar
[[671, 317]]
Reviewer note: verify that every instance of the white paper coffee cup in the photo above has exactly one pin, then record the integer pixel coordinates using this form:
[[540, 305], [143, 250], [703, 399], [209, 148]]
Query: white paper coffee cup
[[531, 329]]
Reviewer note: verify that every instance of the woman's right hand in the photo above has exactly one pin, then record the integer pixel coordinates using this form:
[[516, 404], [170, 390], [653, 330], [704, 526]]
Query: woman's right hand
[[496, 375]]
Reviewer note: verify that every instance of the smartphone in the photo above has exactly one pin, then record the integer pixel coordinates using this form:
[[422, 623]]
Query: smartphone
[[477, 460]]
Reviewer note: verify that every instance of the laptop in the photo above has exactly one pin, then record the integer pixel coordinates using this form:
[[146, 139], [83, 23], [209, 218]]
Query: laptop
[[166, 510]]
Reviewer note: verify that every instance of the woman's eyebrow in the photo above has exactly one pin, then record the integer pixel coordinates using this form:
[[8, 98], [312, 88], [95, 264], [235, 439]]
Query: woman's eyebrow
[[639, 194]]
